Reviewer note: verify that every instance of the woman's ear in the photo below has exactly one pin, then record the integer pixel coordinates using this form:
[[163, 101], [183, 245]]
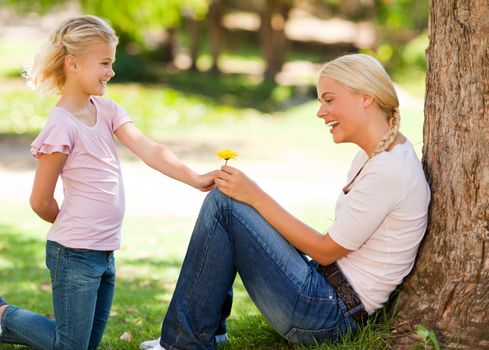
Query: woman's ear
[[70, 63], [367, 100]]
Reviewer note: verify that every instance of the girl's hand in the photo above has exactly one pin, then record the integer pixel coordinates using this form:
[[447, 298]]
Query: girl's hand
[[237, 185], [206, 182]]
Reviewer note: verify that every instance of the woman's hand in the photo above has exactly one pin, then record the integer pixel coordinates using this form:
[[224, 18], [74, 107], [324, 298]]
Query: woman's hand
[[237, 185], [206, 182]]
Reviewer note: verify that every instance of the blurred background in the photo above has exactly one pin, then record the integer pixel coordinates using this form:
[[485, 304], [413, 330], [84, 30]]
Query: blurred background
[[199, 76], [262, 55]]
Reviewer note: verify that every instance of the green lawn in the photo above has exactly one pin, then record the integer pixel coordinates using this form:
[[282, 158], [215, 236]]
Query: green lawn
[[147, 267], [195, 115]]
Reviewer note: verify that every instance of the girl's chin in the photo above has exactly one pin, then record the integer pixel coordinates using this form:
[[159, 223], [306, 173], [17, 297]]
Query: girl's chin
[[99, 92]]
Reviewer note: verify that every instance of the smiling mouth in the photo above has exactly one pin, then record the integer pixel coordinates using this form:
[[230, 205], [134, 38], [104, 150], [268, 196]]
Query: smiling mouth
[[332, 123]]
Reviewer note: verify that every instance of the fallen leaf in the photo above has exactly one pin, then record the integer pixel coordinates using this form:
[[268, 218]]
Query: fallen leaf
[[45, 287], [126, 336]]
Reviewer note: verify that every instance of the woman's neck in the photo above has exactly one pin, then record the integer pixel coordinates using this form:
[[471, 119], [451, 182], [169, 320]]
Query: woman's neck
[[371, 137]]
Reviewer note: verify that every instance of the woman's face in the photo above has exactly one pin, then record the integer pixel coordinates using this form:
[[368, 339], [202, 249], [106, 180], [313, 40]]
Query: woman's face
[[341, 109]]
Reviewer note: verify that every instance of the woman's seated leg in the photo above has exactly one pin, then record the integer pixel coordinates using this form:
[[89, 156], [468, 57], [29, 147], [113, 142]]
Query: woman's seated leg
[[231, 237]]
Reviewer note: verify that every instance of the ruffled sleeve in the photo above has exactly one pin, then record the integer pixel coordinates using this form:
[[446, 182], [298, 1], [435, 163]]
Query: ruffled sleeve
[[55, 137], [120, 117]]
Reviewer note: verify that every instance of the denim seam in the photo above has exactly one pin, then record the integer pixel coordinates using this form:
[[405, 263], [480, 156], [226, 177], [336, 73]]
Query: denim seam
[[318, 298], [346, 315], [58, 250], [269, 252], [65, 292]]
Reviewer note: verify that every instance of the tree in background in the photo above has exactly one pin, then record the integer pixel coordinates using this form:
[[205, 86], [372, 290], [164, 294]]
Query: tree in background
[[273, 17], [448, 290], [216, 31], [158, 29]]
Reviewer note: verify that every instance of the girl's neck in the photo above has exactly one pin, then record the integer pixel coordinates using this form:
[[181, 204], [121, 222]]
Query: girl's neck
[[74, 103], [82, 109]]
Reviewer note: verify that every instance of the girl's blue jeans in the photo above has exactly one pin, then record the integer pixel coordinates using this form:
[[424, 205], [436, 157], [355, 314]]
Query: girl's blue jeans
[[231, 237], [83, 284]]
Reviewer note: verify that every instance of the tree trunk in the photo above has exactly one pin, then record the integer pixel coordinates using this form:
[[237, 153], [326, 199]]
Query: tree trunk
[[274, 15], [216, 32], [448, 290], [195, 28]]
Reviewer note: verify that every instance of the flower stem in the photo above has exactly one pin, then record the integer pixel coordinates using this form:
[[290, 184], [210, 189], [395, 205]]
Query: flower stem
[[226, 163]]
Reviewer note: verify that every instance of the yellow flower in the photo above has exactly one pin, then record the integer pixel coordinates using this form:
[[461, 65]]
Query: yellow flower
[[226, 154]]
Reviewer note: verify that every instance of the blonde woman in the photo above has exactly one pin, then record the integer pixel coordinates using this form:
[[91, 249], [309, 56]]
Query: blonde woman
[[77, 145], [310, 286]]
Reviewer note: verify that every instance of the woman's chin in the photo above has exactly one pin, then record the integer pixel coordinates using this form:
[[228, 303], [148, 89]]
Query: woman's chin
[[337, 139]]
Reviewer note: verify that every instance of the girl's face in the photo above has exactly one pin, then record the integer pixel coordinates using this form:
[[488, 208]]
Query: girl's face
[[94, 67], [341, 109]]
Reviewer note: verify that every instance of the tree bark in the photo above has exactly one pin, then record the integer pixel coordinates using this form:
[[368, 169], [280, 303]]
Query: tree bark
[[195, 28], [448, 290], [216, 32], [274, 15]]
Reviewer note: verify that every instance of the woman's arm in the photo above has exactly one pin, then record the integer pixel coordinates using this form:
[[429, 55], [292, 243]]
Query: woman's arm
[[160, 158], [42, 200], [321, 248]]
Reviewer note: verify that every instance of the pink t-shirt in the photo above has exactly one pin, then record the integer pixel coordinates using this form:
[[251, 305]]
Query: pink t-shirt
[[93, 206]]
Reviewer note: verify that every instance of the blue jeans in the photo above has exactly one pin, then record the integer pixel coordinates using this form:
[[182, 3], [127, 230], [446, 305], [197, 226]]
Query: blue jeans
[[231, 237], [83, 284]]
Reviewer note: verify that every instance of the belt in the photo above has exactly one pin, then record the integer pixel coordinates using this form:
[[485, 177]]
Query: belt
[[345, 291]]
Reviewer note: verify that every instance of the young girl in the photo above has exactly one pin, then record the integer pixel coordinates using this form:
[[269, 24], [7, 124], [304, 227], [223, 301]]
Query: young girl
[[77, 144], [381, 216]]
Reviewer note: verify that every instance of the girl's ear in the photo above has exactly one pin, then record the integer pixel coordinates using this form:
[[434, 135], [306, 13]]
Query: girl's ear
[[70, 63], [367, 100]]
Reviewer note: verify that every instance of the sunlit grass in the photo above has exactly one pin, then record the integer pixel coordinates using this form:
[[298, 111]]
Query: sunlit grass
[[147, 266], [195, 114], [15, 54]]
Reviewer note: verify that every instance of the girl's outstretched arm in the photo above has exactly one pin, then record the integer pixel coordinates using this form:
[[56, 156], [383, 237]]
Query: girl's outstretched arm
[[42, 200], [160, 158]]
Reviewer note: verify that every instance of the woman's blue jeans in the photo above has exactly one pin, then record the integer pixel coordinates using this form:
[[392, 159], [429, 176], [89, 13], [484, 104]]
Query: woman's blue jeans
[[231, 237], [83, 284]]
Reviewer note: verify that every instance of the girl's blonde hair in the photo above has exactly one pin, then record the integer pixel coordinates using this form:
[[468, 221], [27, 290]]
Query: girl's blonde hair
[[70, 38], [364, 74]]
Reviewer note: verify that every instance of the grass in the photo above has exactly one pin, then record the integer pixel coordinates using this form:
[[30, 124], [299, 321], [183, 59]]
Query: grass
[[148, 267], [195, 114]]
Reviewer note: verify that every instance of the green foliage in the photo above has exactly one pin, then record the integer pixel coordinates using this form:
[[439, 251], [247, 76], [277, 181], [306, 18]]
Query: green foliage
[[134, 19], [38, 6], [402, 15], [19, 117], [129, 67], [413, 53], [399, 21], [428, 337]]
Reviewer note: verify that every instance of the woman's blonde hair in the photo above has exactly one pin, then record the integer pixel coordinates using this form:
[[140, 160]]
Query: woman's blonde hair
[[364, 74], [70, 38]]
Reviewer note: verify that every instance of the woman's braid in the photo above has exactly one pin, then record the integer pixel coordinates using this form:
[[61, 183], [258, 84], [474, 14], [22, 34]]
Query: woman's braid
[[390, 136]]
